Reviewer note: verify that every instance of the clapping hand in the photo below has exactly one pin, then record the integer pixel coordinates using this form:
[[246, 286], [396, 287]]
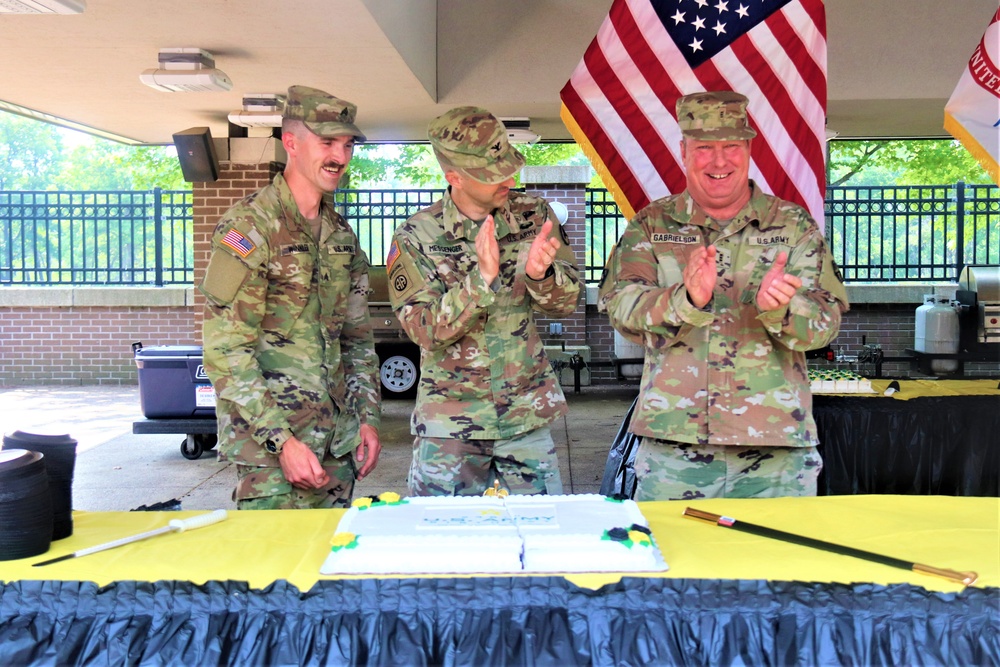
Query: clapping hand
[[542, 252], [488, 251], [700, 275], [778, 287]]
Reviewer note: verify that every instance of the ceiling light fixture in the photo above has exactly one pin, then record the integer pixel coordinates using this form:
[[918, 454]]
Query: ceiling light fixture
[[187, 70], [259, 110], [42, 6], [519, 131]]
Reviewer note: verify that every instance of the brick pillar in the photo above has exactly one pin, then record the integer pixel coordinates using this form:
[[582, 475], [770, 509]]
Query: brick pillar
[[241, 172], [566, 185]]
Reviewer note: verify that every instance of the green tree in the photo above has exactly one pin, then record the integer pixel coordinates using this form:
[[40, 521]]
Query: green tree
[[414, 165], [393, 165], [106, 165], [902, 162], [30, 153], [34, 155]]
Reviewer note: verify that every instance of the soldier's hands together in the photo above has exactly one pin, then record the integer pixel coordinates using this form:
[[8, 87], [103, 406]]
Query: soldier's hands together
[[542, 252], [488, 251], [778, 287], [700, 275], [300, 465]]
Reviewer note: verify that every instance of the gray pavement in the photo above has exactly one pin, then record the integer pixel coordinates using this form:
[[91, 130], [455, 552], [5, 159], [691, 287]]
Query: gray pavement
[[117, 470]]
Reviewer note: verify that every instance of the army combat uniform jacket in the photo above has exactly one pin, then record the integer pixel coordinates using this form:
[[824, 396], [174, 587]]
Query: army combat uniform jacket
[[288, 345], [484, 373], [727, 374]]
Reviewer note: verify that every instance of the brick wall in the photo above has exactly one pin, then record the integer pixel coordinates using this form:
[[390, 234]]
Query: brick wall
[[574, 327], [69, 344], [84, 345], [211, 200]]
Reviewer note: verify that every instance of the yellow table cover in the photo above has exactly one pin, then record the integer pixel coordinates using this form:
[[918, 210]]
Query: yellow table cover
[[958, 533]]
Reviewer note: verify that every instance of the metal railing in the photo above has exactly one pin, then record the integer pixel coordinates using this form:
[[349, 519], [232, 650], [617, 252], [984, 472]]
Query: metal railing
[[877, 234], [141, 237], [912, 233]]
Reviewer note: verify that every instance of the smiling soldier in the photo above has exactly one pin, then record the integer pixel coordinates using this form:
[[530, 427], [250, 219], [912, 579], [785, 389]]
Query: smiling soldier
[[288, 343], [726, 287]]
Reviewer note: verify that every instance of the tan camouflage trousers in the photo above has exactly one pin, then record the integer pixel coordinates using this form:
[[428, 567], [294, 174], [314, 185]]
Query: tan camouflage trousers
[[266, 488], [668, 470], [525, 465]]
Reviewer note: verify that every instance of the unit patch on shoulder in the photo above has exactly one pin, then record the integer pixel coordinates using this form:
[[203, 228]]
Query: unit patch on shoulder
[[403, 276]]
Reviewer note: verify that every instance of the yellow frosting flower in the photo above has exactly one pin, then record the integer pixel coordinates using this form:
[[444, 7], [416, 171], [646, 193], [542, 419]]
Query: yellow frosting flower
[[389, 497], [341, 540], [638, 537], [362, 503]]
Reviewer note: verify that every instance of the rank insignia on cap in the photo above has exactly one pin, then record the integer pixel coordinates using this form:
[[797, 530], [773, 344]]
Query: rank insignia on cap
[[241, 244]]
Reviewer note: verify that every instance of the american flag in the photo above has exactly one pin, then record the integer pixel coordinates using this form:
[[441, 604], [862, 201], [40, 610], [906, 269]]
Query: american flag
[[241, 244], [619, 104], [391, 257]]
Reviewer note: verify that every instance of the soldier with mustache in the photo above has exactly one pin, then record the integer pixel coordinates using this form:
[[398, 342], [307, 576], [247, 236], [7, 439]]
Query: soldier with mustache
[[287, 341]]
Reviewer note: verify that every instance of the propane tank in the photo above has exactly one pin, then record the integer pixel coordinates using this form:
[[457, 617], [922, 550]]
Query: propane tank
[[937, 332]]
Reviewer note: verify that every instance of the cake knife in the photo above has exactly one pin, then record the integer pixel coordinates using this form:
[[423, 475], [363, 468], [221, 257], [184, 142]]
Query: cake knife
[[175, 525]]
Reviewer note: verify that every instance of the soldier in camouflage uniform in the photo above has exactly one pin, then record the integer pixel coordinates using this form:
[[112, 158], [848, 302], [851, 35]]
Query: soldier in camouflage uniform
[[726, 287], [465, 276], [287, 341]]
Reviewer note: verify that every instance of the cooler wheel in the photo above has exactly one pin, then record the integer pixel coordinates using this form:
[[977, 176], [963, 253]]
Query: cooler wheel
[[196, 444]]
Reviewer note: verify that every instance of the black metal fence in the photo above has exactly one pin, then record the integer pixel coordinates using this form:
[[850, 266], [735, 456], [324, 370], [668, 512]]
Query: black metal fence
[[96, 238], [912, 233], [877, 234]]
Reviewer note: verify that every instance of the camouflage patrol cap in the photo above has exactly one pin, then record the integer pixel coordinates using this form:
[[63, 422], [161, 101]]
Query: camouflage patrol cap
[[322, 113], [714, 116], [473, 142]]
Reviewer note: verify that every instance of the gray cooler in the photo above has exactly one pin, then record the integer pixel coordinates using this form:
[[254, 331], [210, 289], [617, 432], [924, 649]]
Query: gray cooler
[[172, 382]]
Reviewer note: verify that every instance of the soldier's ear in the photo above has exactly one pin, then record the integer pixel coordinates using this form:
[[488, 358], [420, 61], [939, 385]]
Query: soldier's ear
[[454, 178], [288, 141]]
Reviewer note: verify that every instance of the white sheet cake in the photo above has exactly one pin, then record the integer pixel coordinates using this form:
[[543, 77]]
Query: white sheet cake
[[470, 534]]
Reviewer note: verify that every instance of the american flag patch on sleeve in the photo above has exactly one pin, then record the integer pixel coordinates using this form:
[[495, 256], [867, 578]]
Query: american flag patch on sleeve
[[241, 244], [391, 257]]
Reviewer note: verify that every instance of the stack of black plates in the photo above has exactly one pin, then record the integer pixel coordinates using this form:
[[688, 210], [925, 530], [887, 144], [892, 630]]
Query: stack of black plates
[[60, 461], [25, 505]]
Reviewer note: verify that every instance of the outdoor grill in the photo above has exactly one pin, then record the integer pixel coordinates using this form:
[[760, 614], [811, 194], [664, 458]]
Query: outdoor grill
[[979, 296]]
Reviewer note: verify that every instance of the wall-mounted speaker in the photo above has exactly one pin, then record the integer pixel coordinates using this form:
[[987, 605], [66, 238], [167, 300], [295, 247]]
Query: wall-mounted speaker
[[196, 152]]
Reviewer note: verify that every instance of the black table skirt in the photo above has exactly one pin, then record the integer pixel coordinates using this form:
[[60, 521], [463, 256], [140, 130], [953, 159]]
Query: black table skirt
[[947, 446], [496, 621], [926, 446]]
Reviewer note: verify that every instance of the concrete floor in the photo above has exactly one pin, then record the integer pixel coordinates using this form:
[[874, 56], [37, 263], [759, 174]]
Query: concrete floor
[[117, 470]]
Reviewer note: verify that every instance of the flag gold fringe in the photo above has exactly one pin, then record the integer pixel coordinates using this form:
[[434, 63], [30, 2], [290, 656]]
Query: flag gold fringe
[[989, 162], [595, 160]]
